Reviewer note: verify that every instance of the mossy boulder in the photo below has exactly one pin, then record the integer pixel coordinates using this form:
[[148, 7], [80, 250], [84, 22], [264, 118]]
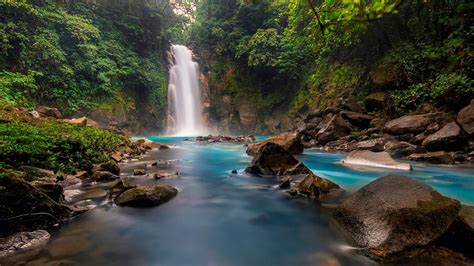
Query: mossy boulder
[[394, 213], [25, 207]]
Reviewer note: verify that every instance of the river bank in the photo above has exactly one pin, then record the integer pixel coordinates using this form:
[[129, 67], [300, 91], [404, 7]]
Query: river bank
[[218, 216]]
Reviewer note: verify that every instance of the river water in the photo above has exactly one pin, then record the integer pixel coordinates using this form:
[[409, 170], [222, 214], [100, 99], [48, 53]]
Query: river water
[[219, 218]]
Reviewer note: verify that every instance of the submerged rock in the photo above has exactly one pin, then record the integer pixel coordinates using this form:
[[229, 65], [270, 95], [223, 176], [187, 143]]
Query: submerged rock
[[375, 159], [314, 186], [165, 174], [289, 141], [395, 213], [146, 196], [273, 160], [67, 246], [23, 242]]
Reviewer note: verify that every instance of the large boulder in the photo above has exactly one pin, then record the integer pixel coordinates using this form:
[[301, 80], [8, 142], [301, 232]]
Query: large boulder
[[414, 124], [146, 196], [45, 111], [315, 187], [395, 213], [448, 138], [374, 159], [375, 101], [357, 119], [273, 160], [332, 129], [436, 157], [408, 124], [466, 118], [289, 141]]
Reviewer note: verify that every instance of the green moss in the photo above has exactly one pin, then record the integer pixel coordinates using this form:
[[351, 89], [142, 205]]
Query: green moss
[[55, 145]]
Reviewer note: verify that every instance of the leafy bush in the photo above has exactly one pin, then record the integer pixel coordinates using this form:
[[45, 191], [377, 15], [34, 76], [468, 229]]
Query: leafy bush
[[453, 89], [16, 88], [56, 145]]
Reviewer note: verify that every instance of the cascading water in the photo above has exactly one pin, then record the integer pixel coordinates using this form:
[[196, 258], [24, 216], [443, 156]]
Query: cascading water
[[185, 111]]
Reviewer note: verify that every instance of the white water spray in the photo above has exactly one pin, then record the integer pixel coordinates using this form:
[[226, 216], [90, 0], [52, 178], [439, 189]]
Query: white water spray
[[185, 111]]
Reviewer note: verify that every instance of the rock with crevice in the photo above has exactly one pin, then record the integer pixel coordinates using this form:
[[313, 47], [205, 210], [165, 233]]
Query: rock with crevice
[[374, 159], [395, 213], [273, 160]]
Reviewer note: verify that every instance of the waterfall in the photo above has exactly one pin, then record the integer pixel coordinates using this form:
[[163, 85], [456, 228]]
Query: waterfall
[[185, 110]]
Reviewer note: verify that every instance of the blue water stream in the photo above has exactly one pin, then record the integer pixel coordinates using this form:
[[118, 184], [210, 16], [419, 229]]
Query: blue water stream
[[223, 219]]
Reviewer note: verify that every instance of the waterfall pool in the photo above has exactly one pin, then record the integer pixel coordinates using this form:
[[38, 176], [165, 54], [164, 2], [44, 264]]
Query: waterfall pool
[[219, 218]]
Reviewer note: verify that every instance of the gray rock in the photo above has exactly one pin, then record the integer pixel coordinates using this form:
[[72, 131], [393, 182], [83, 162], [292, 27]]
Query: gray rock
[[139, 172], [103, 176], [448, 138], [395, 213]]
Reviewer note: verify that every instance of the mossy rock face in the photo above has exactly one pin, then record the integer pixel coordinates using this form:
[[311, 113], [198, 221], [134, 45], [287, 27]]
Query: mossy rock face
[[25, 207], [146, 196], [395, 213]]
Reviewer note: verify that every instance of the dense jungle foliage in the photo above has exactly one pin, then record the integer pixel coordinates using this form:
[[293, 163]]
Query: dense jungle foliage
[[295, 53], [85, 55]]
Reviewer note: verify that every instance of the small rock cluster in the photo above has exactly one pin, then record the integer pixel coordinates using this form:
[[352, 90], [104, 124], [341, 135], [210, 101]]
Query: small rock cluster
[[220, 138], [273, 160]]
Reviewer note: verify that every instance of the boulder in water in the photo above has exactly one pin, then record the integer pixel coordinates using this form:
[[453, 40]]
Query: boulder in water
[[395, 213], [375, 159], [460, 236], [273, 160], [146, 196], [289, 141], [139, 172], [314, 186]]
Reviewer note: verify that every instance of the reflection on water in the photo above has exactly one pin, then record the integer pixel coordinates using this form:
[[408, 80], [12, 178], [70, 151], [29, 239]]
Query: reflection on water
[[220, 218]]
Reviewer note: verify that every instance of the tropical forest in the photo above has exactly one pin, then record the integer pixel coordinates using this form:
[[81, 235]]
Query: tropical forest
[[236, 132]]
